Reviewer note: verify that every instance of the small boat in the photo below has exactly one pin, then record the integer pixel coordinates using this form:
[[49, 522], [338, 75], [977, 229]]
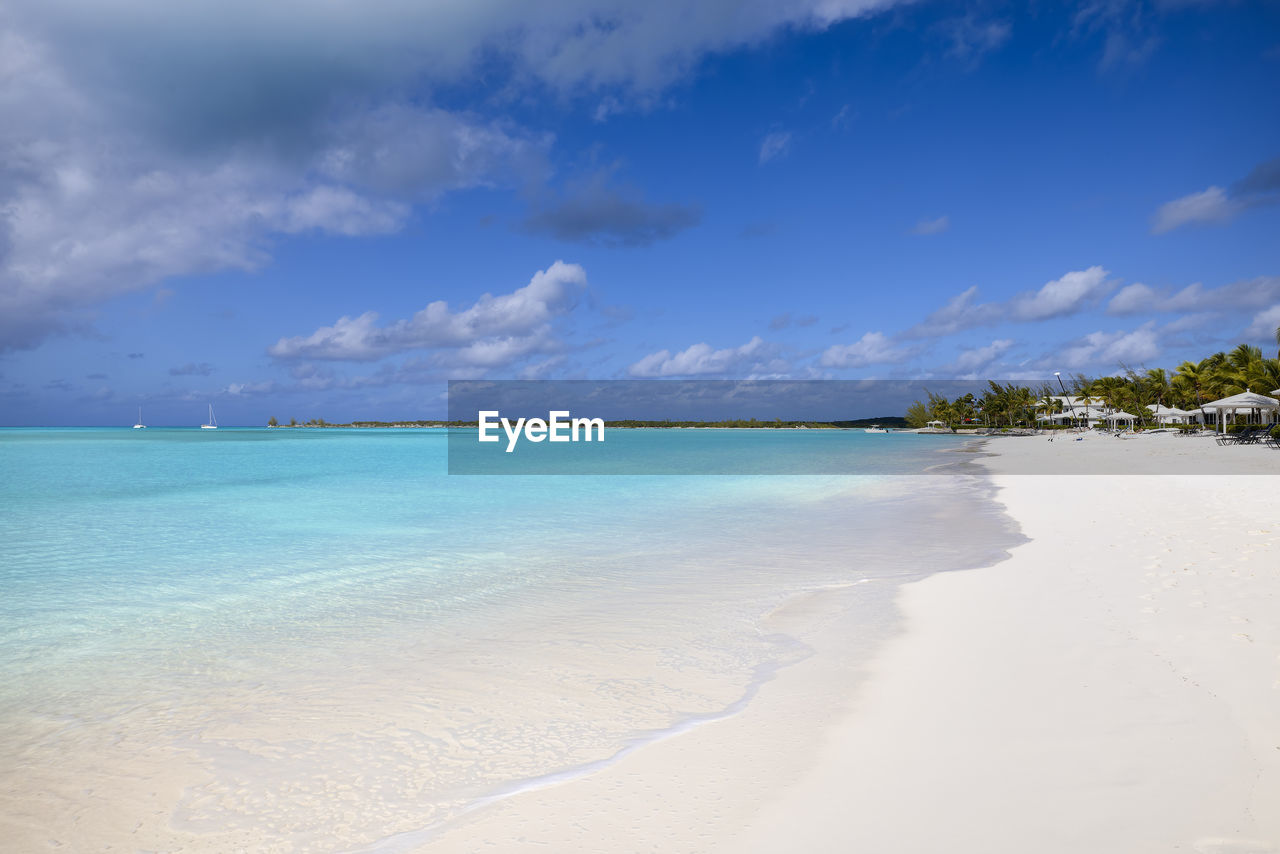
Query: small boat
[[213, 422], [139, 425], [875, 428]]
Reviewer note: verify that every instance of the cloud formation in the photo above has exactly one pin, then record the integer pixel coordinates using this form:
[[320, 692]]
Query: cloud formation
[[494, 332], [963, 311], [1264, 325], [932, 226], [93, 207], [973, 360], [873, 348], [145, 140], [774, 145], [594, 212], [1071, 293], [1111, 348], [755, 358], [1063, 296], [1217, 205], [1209, 205], [1244, 295]]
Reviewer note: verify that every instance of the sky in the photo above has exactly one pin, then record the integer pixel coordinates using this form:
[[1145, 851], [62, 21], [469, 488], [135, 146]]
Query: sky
[[328, 208]]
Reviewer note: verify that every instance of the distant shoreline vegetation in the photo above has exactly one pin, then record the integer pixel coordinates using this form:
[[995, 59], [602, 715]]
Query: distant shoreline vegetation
[[733, 423]]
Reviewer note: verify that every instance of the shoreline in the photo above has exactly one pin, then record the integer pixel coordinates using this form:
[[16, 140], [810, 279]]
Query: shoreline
[[1122, 703], [700, 788], [396, 730]]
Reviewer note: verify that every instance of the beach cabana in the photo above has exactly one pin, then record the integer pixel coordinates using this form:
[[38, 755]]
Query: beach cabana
[[1116, 417], [1246, 401], [1167, 414]]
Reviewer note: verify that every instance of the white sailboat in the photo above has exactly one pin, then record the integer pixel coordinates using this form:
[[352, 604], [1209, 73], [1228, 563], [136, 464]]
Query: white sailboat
[[213, 422], [139, 425]]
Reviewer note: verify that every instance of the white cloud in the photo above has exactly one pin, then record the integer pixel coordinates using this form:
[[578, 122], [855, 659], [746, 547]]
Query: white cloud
[[962, 311], [91, 208], [775, 144], [1264, 325], [1060, 297], [412, 152], [1211, 205], [1109, 349], [873, 348], [973, 359], [1069, 294], [1132, 299], [251, 389], [1245, 294], [1259, 188], [932, 226], [491, 333], [753, 358]]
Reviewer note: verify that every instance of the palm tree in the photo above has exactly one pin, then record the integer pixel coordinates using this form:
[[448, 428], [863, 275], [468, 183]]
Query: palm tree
[[1048, 402], [998, 402], [1244, 368], [1024, 402], [1261, 376], [1157, 379], [1197, 376]]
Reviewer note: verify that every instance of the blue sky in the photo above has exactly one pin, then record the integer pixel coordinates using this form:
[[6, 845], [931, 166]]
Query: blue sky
[[327, 210]]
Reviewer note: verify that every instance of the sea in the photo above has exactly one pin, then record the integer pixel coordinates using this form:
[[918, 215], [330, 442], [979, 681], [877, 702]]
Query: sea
[[320, 640]]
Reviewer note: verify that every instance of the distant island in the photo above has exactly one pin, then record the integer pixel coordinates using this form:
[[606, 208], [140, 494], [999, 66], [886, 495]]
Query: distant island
[[734, 423]]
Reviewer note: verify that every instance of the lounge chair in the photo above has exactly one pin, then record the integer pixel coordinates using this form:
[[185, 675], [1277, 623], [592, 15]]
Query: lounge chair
[[1256, 435], [1237, 438], [1247, 436]]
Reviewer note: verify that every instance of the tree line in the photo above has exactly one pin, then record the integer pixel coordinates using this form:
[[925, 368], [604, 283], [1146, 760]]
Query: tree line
[[1190, 386]]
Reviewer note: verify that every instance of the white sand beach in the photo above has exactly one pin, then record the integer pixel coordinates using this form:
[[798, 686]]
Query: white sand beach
[[1114, 686]]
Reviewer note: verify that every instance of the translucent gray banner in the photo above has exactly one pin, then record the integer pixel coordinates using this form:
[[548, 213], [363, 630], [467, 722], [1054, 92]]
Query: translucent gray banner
[[830, 427]]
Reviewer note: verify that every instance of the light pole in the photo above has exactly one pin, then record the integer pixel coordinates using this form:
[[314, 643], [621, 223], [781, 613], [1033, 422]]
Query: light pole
[[1070, 401]]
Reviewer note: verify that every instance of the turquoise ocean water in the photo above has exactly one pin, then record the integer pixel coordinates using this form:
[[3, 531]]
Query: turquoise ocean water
[[301, 625]]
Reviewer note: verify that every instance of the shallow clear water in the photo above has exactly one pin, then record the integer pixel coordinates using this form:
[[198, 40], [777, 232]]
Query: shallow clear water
[[320, 636]]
